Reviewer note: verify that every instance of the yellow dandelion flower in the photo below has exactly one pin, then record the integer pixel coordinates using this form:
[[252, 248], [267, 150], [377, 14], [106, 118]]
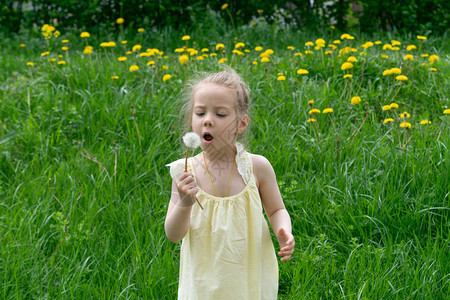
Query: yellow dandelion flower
[[136, 48], [433, 58], [320, 42], [179, 50], [52, 59], [152, 62], [220, 46], [404, 115], [302, 72], [239, 45], [345, 36], [122, 58], [352, 59], [355, 100], [334, 47], [378, 43], [64, 48], [183, 59], [22, 45], [88, 50], [387, 47], [409, 57], [64, 41], [433, 69], [265, 59], [311, 120], [186, 38], [298, 54], [281, 78], [222, 60], [384, 56], [45, 53], [224, 6], [401, 78], [258, 48], [395, 43], [164, 67], [115, 77], [166, 77], [141, 29], [411, 47], [30, 63], [204, 50], [213, 54], [128, 52], [200, 57], [61, 62], [420, 37], [308, 52], [311, 102], [367, 45], [387, 107], [120, 21], [327, 110], [309, 44], [405, 125], [336, 42], [348, 76], [396, 71], [425, 122], [425, 55], [85, 34], [290, 48], [314, 111], [328, 52], [447, 111], [395, 48], [388, 120], [254, 62], [260, 11], [346, 66], [134, 68], [394, 105]]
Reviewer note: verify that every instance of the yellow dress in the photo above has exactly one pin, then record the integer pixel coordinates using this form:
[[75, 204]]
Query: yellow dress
[[227, 252]]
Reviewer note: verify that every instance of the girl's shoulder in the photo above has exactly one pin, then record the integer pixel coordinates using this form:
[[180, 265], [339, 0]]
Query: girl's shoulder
[[262, 168]]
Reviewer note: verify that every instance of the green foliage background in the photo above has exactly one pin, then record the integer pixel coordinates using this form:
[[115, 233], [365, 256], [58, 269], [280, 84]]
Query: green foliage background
[[420, 16]]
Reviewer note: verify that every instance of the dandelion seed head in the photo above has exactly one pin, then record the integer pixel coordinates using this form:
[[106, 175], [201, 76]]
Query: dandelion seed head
[[192, 140]]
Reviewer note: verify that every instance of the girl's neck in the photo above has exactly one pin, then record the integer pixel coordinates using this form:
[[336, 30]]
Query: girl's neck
[[218, 156]]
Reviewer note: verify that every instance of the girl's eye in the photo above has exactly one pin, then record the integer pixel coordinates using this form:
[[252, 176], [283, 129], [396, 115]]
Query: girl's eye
[[221, 115], [199, 113]]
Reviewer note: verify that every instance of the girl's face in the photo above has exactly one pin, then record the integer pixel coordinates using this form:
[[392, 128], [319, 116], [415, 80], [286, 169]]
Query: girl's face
[[214, 116]]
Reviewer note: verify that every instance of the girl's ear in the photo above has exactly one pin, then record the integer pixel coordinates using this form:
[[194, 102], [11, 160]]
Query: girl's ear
[[243, 123]]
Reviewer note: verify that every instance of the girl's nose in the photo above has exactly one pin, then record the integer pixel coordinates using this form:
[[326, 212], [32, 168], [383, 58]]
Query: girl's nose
[[208, 121]]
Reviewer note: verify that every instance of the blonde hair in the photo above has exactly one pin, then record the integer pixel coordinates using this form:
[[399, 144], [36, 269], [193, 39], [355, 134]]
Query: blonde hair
[[228, 78]]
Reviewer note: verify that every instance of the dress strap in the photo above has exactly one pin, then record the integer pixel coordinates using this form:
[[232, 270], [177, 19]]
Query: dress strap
[[244, 163]]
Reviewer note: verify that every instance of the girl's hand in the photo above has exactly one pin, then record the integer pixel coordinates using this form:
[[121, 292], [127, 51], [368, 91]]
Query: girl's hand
[[187, 189], [287, 242]]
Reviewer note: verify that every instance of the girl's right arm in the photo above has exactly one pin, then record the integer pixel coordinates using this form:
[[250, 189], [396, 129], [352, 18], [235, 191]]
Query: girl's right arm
[[179, 211]]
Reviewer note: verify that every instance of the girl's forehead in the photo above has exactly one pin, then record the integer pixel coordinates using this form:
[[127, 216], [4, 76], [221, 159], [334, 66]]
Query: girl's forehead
[[214, 94]]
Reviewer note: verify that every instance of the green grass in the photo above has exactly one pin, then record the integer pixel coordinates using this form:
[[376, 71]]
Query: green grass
[[84, 187]]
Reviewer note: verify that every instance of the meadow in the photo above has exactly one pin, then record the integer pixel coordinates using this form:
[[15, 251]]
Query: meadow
[[357, 129]]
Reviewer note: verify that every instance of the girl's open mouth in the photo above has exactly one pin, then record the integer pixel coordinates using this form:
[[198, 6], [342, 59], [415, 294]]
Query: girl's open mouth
[[208, 137]]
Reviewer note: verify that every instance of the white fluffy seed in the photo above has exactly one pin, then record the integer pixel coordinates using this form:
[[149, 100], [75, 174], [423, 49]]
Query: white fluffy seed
[[192, 140]]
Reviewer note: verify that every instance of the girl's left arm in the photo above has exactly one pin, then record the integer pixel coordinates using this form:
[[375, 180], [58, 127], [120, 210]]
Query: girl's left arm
[[279, 218]]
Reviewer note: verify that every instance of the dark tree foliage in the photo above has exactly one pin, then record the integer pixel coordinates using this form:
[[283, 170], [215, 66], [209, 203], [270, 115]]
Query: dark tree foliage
[[417, 16]]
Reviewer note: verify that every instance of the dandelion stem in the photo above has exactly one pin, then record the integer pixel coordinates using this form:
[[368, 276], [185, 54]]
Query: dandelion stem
[[185, 162], [364, 121], [362, 78]]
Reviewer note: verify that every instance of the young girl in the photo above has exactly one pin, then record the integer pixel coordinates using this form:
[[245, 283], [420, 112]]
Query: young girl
[[226, 252]]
